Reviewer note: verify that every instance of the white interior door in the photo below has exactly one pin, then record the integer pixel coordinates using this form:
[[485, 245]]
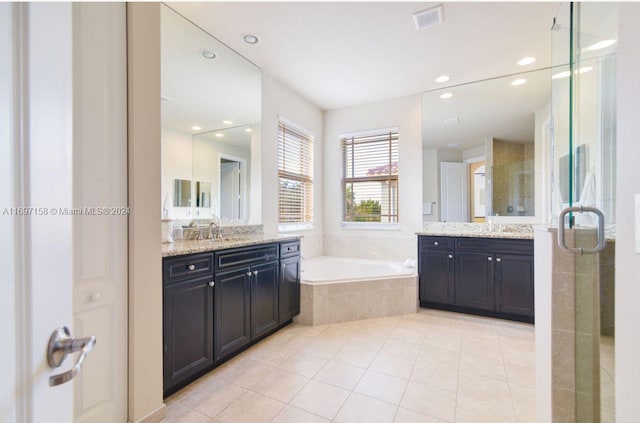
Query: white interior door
[[230, 190], [454, 192], [63, 116]]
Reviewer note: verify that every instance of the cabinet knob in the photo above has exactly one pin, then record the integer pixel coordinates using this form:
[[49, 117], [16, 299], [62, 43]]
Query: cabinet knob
[[191, 267], [255, 272], [248, 273], [435, 242], [490, 258], [212, 284], [498, 259], [450, 255]]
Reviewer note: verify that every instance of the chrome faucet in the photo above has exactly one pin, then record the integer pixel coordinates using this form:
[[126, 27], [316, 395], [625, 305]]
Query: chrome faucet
[[218, 229]]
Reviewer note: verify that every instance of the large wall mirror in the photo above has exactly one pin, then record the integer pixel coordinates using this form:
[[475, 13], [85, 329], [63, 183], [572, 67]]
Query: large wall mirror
[[211, 115], [480, 145]]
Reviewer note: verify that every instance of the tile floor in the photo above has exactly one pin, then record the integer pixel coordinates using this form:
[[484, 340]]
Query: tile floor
[[431, 366]]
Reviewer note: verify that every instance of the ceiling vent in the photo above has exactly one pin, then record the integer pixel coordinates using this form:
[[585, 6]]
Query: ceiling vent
[[429, 17]]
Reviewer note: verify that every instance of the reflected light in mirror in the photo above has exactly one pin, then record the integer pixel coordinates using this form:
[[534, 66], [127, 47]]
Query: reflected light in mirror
[[446, 96], [442, 78], [600, 45], [518, 82], [526, 61]]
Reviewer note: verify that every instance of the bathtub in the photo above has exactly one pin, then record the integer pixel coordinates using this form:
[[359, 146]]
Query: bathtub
[[337, 289]]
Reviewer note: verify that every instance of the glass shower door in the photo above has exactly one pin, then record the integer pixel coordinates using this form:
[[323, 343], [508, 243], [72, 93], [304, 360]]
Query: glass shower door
[[583, 196]]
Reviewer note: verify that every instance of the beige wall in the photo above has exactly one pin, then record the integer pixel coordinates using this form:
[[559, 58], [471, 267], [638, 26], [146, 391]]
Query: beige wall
[[405, 113], [145, 262], [627, 259]]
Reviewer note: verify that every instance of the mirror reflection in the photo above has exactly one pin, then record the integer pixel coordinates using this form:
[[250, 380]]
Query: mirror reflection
[[181, 193], [203, 194], [211, 112], [222, 159], [480, 142]]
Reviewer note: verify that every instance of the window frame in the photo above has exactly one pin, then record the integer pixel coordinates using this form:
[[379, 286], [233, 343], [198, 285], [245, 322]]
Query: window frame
[[394, 136], [308, 209]]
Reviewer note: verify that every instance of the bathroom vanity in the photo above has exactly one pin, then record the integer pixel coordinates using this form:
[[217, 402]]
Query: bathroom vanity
[[478, 273], [220, 296]]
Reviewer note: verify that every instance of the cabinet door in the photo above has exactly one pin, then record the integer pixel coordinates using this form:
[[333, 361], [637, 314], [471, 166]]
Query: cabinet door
[[289, 289], [436, 277], [474, 280], [187, 329], [514, 279], [264, 299], [232, 311]]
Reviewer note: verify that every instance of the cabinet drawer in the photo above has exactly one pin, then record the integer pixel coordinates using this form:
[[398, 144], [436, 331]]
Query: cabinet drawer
[[176, 269], [438, 243], [246, 256], [288, 249], [492, 245]]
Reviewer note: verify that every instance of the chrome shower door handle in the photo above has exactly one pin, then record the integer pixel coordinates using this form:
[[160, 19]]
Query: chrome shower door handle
[[602, 243], [61, 344]]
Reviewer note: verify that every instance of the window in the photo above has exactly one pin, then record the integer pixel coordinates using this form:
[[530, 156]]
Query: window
[[370, 177], [295, 175]]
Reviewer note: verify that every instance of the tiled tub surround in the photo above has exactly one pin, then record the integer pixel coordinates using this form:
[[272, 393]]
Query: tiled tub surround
[[334, 290], [429, 366], [483, 230]]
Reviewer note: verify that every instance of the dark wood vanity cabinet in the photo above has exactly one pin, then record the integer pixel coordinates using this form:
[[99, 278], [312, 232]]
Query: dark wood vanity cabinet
[[187, 319], [485, 276], [232, 307], [289, 288], [216, 304], [436, 285]]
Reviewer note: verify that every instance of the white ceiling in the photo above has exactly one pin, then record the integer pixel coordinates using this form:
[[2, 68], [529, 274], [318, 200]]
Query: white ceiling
[[343, 54], [492, 108]]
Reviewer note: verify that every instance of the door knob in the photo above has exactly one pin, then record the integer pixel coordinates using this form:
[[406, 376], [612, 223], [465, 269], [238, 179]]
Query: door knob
[[61, 344]]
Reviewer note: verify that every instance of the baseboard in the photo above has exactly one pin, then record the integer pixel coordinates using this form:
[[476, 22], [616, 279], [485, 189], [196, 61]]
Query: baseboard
[[156, 416]]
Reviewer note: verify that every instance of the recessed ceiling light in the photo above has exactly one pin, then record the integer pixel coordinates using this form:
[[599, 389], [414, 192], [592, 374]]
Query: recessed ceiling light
[[518, 82], [526, 61], [227, 122], [451, 121], [565, 74], [442, 78], [446, 95], [219, 135], [561, 75], [196, 128], [600, 45], [453, 144], [585, 69], [247, 130], [208, 54], [251, 39]]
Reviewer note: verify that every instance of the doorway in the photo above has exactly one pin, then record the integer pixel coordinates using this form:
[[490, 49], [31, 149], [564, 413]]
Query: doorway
[[232, 187]]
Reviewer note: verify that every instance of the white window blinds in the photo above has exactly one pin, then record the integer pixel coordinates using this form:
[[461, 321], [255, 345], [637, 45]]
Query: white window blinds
[[295, 175], [370, 177]]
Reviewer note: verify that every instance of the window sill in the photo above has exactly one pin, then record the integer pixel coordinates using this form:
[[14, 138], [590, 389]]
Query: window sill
[[294, 227], [371, 226]]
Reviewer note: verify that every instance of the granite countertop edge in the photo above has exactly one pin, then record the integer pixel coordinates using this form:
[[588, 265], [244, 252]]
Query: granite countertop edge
[[185, 247], [465, 234]]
